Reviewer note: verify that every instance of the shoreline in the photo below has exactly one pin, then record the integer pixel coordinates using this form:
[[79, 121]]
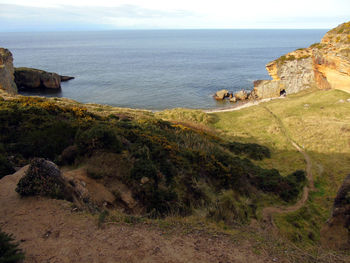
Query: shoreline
[[241, 106]]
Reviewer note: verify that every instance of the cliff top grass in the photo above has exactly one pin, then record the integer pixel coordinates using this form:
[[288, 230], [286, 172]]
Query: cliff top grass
[[319, 122]]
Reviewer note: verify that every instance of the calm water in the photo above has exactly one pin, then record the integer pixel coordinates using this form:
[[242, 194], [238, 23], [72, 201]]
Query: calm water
[[155, 69]]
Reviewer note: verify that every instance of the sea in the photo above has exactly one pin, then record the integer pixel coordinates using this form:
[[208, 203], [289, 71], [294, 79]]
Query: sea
[[154, 69]]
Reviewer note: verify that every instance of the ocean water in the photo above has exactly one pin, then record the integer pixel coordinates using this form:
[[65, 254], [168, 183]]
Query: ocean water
[[155, 69]]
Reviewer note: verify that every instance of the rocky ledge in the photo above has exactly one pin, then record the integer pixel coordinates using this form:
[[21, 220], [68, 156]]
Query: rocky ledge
[[30, 78]]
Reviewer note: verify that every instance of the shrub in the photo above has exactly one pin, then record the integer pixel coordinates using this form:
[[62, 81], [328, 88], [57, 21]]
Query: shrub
[[252, 150], [48, 141], [9, 251], [5, 167], [69, 155], [42, 178], [231, 209], [98, 137], [144, 168]]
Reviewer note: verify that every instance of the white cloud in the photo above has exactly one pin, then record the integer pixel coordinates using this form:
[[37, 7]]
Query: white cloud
[[175, 14]]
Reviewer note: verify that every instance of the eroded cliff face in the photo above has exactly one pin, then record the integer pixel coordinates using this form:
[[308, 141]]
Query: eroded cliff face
[[7, 82], [324, 65], [336, 232]]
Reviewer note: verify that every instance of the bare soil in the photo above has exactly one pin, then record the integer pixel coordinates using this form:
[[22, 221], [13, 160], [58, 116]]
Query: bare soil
[[50, 231]]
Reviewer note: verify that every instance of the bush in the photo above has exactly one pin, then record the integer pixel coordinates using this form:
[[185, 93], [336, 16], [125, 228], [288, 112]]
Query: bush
[[48, 141], [98, 137], [5, 167], [252, 150], [230, 209], [42, 178], [9, 251], [69, 155], [288, 188]]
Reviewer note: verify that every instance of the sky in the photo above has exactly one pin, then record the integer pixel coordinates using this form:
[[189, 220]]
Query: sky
[[57, 15]]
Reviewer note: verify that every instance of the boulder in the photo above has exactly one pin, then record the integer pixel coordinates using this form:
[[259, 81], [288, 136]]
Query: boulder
[[7, 82], [30, 78], [241, 95], [43, 178], [233, 99], [336, 232], [221, 94]]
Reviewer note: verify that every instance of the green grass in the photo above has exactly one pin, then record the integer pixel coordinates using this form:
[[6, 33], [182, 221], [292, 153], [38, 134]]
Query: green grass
[[319, 121]]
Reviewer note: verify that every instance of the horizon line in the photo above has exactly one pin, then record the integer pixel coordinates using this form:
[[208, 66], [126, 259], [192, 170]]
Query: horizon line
[[151, 29]]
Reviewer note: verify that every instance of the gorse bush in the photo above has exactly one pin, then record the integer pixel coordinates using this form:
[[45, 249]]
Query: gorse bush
[[9, 251], [5, 167], [252, 150], [169, 168], [98, 137]]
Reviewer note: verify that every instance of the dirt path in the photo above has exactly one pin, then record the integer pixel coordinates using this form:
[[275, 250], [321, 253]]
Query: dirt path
[[268, 212], [50, 231]]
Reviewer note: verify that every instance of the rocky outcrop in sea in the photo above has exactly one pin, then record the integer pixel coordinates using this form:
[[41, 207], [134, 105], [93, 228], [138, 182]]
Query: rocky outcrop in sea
[[12, 79], [30, 78]]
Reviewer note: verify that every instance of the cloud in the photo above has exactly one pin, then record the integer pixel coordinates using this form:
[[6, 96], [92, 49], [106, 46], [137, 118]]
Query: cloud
[[17, 17], [50, 15]]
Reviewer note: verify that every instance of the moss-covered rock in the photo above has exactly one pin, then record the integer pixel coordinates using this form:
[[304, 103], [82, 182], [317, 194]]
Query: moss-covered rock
[[43, 178]]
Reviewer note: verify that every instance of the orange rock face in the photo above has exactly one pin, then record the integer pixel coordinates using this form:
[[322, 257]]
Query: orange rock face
[[325, 65]]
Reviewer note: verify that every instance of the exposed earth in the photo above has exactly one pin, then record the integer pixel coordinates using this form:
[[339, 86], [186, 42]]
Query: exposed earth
[[51, 231]]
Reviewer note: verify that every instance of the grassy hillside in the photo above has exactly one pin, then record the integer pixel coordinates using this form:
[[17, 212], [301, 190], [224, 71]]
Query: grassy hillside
[[318, 121], [170, 168], [222, 167]]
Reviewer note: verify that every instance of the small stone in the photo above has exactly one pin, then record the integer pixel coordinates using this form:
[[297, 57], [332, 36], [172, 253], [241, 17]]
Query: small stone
[[306, 105], [341, 101], [144, 180], [233, 99]]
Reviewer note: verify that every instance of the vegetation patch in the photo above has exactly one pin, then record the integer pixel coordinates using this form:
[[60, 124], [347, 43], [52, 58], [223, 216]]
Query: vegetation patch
[[9, 250], [42, 178], [168, 167]]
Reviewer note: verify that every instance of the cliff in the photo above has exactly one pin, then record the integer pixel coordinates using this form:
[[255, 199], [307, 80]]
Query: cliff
[[30, 78], [325, 65], [7, 72]]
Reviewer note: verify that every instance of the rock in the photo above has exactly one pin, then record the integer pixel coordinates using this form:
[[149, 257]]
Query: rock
[[233, 99], [66, 78], [7, 82], [30, 78], [336, 233], [43, 178], [241, 95], [325, 65], [144, 180], [221, 94]]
